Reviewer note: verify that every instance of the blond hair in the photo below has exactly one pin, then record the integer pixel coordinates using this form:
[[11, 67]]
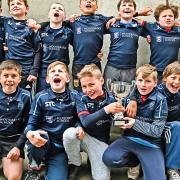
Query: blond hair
[[173, 68], [55, 63], [146, 71], [9, 65], [90, 70]]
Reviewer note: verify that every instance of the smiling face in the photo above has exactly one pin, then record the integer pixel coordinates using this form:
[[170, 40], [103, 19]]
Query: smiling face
[[88, 7], [56, 13], [92, 86], [18, 9], [9, 79], [57, 78], [166, 18], [126, 11], [145, 85], [173, 83]]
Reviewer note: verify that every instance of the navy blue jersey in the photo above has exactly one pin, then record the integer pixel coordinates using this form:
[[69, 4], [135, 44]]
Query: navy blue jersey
[[23, 45], [150, 118], [55, 43], [93, 118], [53, 113], [124, 44], [88, 38], [14, 112], [2, 37], [164, 45], [173, 101]]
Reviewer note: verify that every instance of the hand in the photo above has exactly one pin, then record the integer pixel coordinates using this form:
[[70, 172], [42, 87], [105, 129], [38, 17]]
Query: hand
[[32, 24], [80, 133], [131, 109], [100, 55], [73, 17], [145, 12], [130, 123], [110, 22], [31, 78], [35, 138], [113, 108], [14, 154], [176, 23], [148, 39]]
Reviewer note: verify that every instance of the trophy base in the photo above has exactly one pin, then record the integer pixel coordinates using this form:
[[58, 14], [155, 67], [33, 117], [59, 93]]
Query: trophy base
[[119, 122]]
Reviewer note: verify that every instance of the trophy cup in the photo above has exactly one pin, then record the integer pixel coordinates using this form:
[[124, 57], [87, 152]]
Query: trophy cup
[[121, 90]]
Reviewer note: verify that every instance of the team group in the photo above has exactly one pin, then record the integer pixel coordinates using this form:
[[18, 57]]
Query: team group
[[60, 122]]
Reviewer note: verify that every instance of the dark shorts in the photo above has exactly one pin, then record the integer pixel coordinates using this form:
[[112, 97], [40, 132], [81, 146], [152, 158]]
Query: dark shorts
[[6, 144]]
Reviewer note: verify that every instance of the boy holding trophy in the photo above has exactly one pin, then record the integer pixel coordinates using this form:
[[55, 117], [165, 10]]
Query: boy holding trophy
[[141, 141]]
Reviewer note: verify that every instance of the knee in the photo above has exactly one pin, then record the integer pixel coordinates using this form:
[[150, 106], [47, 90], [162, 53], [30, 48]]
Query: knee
[[69, 134], [107, 159]]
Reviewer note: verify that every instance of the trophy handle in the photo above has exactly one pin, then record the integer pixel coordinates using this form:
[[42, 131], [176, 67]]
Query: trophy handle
[[109, 84], [133, 87]]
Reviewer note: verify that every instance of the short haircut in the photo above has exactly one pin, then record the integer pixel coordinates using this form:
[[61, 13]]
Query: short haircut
[[173, 68], [146, 71], [159, 9], [56, 63], [25, 2], [95, 0], [126, 1], [9, 65], [90, 70]]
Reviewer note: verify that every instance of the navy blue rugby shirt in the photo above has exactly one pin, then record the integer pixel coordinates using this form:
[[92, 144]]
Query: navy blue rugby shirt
[[14, 112], [53, 113], [2, 37], [55, 43], [173, 101], [150, 118], [124, 44], [23, 45], [94, 119], [88, 37], [164, 45]]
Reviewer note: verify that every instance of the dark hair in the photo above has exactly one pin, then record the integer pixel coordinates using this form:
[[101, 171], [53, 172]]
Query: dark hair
[[163, 7], [25, 2], [10, 64], [126, 1]]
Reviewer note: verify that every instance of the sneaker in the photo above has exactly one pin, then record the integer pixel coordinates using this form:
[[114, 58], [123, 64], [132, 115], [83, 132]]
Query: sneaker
[[133, 172], [32, 175], [73, 171], [173, 174]]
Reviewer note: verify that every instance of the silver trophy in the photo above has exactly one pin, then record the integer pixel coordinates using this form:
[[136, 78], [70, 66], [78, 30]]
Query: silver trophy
[[121, 90]]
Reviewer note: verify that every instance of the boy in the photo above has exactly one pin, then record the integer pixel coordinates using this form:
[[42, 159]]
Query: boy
[[141, 141], [14, 111], [94, 107], [52, 112], [55, 42], [170, 88], [165, 37], [23, 43], [124, 34]]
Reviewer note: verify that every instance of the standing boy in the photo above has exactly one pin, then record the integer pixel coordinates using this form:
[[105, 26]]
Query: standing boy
[[22, 42], [94, 107], [141, 141], [124, 34], [14, 111], [53, 111], [55, 39], [165, 37]]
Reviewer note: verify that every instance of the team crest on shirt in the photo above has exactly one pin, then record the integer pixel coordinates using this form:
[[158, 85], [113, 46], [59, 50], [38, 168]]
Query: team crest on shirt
[[49, 119], [76, 83], [158, 39], [78, 30], [116, 35], [90, 106]]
